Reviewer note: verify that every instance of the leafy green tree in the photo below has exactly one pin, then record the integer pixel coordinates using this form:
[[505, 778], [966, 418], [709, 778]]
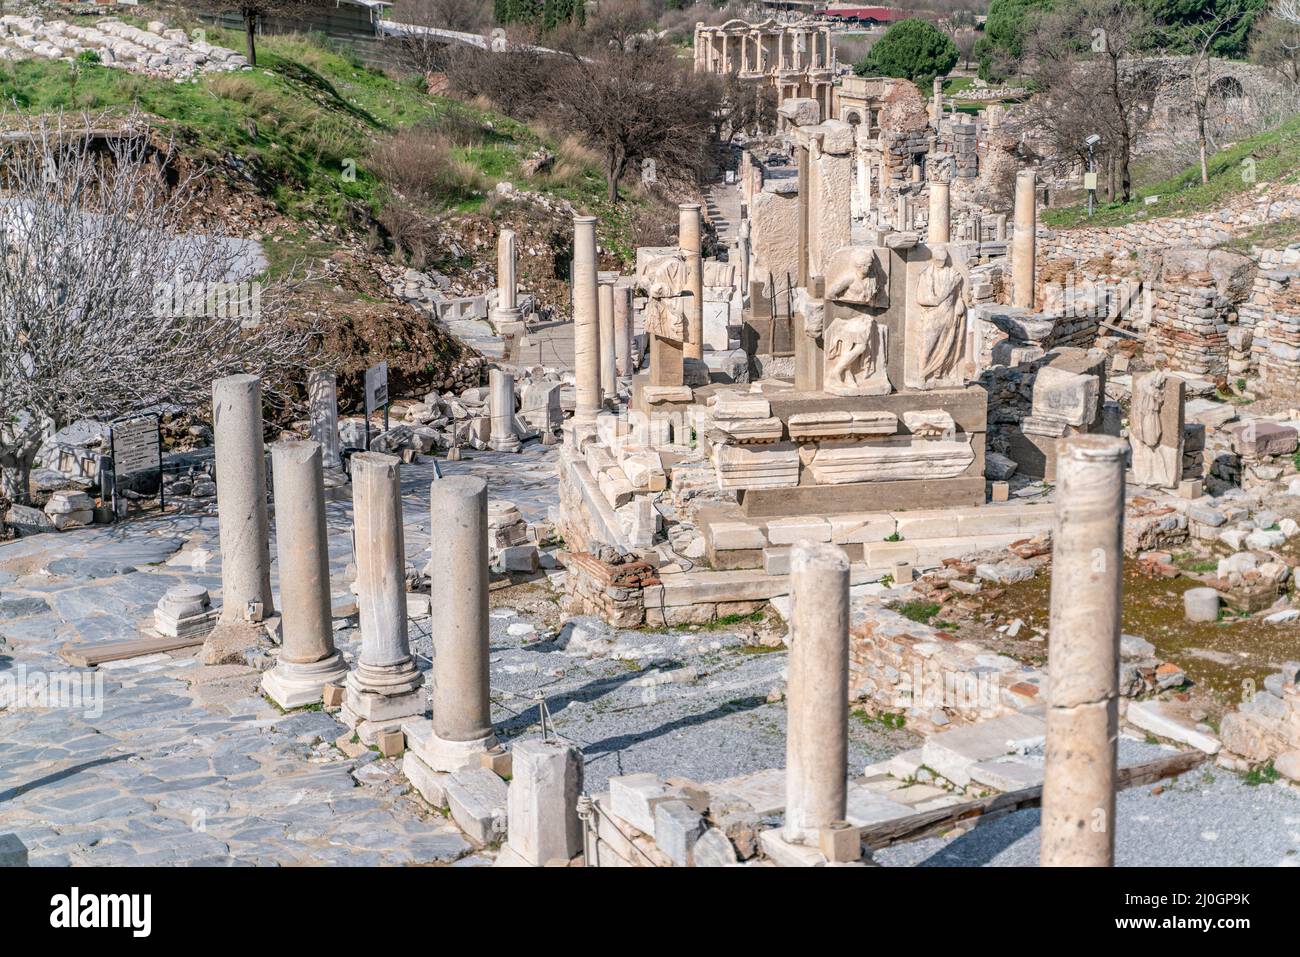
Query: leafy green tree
[[1187, 22], [913, 49], [1003, 43]]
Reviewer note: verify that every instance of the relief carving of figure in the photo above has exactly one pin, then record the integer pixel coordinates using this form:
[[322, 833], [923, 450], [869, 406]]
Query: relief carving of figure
[[856, 351], [1157, 458], [853, 275], [941, 295], [665, 280]]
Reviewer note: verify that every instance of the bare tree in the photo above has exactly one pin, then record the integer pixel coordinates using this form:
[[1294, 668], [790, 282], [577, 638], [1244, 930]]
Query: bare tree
[[1275, 43], [635, 103], [1288, 10], [251, 11], [1087, 58], [107, 305], [1200, 78]]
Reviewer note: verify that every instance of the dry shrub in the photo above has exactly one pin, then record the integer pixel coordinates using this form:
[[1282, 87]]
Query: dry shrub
[[419, 165]]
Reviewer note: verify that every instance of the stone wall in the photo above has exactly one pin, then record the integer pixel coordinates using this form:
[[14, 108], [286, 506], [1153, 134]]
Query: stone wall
[[1267, 203], [1269, 336]]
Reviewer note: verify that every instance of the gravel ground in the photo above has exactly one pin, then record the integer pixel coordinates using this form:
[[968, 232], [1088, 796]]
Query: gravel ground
[[1209, 818]]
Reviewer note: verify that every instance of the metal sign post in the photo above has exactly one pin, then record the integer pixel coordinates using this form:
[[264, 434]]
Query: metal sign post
[[135, 446], [376, 395]]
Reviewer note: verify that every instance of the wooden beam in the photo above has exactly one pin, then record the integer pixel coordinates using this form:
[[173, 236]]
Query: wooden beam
[[930, 823], [89, 655]]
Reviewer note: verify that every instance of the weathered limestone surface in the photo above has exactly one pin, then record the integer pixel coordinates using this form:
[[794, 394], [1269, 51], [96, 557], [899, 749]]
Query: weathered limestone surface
[[385, 686], [241, 498], [307, 659], [1083, 655], [818, 696], [586, 324], [1023, 240]]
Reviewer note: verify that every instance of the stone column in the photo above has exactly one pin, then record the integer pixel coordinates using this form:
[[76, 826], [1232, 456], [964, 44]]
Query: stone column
[[936, 106], [586, 324], [542, 804], [816, 751], [384, 688], [501, 399], [688, 239], [307, 657], [458, 567], [507, 309], [1023, 241], [624, 333], [608, 351], [940, 214], [244, 529], [323, 409], [1078, 816]]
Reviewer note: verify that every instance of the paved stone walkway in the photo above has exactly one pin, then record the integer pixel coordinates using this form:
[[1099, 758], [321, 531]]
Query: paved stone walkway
[[165, 761]]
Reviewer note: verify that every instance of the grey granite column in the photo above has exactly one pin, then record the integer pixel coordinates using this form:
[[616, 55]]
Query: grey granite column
[[307, 659], [323, 409], [1078, 811], [241, 498], [608, 355]]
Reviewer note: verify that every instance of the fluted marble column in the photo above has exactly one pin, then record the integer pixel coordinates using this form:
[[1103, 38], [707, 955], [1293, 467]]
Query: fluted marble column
[[501, 399], [307, 660], [507, 308], [624, 333], [385, 686], [244, 529], [1078, 812], [689, 241]]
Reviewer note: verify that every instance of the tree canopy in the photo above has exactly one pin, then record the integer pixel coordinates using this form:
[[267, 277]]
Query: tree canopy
[[914, 49]]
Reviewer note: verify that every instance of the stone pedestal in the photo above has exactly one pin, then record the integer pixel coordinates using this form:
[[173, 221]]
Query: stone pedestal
[[542, 804], [241, 499], [501, 398], [689, 242], [307, 657], [586, 326], [608, 346], [461, 729], [385, 686], [507, 308], [1023, 241], [818, 695], [185, 611], [940, 214], [323, 409], [1078, 816]]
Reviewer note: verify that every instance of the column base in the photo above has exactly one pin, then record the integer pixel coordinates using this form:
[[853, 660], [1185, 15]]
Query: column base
[[510, 444], [380, 698], [439, 754], [293, 685]]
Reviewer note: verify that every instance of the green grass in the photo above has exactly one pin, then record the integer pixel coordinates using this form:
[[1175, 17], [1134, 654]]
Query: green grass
[[301, 122], [893, 720], [1264, 774], [918, 611], [1275, 156]]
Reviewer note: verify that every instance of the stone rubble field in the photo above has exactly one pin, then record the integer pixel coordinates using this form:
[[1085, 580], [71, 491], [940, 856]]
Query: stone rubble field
[[156, 51]]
